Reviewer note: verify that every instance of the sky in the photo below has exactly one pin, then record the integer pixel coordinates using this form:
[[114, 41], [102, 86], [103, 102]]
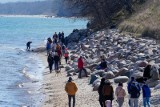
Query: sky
[[6, 1]]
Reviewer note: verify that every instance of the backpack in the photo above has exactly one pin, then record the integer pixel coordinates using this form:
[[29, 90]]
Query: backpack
[[135, 90]]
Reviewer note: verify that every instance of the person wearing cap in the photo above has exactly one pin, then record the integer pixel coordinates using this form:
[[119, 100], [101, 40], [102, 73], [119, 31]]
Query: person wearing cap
[[81, 67], [71, 89]]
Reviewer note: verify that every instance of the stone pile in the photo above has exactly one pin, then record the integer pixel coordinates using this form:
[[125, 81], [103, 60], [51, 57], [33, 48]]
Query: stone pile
[[126, 56]]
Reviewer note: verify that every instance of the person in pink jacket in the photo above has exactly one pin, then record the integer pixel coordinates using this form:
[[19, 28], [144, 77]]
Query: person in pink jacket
[[120, 94]]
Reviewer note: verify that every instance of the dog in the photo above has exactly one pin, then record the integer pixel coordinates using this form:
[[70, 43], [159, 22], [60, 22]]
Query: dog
[[58, 72]]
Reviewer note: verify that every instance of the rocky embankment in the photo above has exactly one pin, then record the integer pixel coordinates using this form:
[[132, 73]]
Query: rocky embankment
[[126, 56]]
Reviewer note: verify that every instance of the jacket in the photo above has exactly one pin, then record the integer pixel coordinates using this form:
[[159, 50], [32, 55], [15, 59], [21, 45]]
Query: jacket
[[120, 92], [134, 90], [146, 91], [71, 88], [80, 63], [108, 92]]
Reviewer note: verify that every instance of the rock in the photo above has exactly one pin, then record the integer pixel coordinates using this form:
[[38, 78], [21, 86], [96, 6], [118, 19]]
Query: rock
[[154, 72], [108, 75], [93, 78], [142, 63], [122, 71], [157, 87], [96, 86], [96, 81], [67, 68], [83, 73], [71, 70], [152, 83], [69, 74], [121, 79], [99, 72], [137, 75], [61, 66]]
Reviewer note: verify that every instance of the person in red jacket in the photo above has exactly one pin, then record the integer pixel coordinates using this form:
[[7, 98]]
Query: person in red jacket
[[81, 67]]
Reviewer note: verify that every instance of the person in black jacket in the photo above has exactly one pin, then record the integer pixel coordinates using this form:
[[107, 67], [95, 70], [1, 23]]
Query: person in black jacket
[[147, 71], [56, 61], [50, 62], [101, 97]]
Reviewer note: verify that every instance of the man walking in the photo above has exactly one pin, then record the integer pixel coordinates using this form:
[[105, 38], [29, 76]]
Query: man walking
[[81, 67], [71, 90]]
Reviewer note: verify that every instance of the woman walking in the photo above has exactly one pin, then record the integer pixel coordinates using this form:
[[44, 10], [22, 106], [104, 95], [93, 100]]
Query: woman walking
[[120, 94]]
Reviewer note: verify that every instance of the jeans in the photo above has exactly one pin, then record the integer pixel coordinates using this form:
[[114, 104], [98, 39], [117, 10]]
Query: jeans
[[120, 101], [146, 101], [69, 100], [80, 71], [66, 58], [134, 102], [56, 65]]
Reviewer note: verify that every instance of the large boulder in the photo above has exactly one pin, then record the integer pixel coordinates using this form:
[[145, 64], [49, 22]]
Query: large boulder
[[67, 68], [108, 75], [99, 72], [83, 74], [96, 81], [157, 86], [93, 78], [142, 63], [122, 71], [96, 86], [121, 79], [154, 72], [152, 83], [137, 75]]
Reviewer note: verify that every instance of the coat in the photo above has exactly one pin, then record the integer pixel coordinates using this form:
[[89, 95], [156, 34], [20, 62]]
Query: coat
[[71, 88], [120, 92], [80, 63]]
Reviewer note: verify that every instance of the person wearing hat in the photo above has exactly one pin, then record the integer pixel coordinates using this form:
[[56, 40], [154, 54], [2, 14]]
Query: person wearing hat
[[71, 89]]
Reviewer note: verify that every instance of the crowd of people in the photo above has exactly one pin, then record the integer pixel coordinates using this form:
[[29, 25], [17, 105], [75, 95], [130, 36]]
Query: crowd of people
[[106, 93], [56, 49]]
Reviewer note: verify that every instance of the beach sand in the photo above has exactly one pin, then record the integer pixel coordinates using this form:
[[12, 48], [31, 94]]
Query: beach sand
[[55, 95]]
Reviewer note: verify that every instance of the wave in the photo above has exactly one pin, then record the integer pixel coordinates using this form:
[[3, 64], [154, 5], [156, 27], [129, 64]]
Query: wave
[[29, 76]]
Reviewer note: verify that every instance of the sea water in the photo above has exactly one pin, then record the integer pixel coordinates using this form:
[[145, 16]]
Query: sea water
[[21, 71]]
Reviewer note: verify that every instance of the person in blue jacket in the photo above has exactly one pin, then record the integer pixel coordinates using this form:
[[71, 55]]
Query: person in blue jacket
[[146, 95]]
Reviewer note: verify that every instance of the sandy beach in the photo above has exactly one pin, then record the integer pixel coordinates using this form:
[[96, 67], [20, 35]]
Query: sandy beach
[[55, 95]]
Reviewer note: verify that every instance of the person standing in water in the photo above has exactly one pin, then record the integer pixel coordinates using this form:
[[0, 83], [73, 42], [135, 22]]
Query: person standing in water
[[28, 45]]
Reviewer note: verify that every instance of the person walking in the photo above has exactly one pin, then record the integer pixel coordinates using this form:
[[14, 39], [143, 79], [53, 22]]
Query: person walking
[[108, 92], [120, 94], [146, 95], [56, 61], [71, 90], [100, 92], [50, 62], [81, 67], [66, 55], [134, 94]]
